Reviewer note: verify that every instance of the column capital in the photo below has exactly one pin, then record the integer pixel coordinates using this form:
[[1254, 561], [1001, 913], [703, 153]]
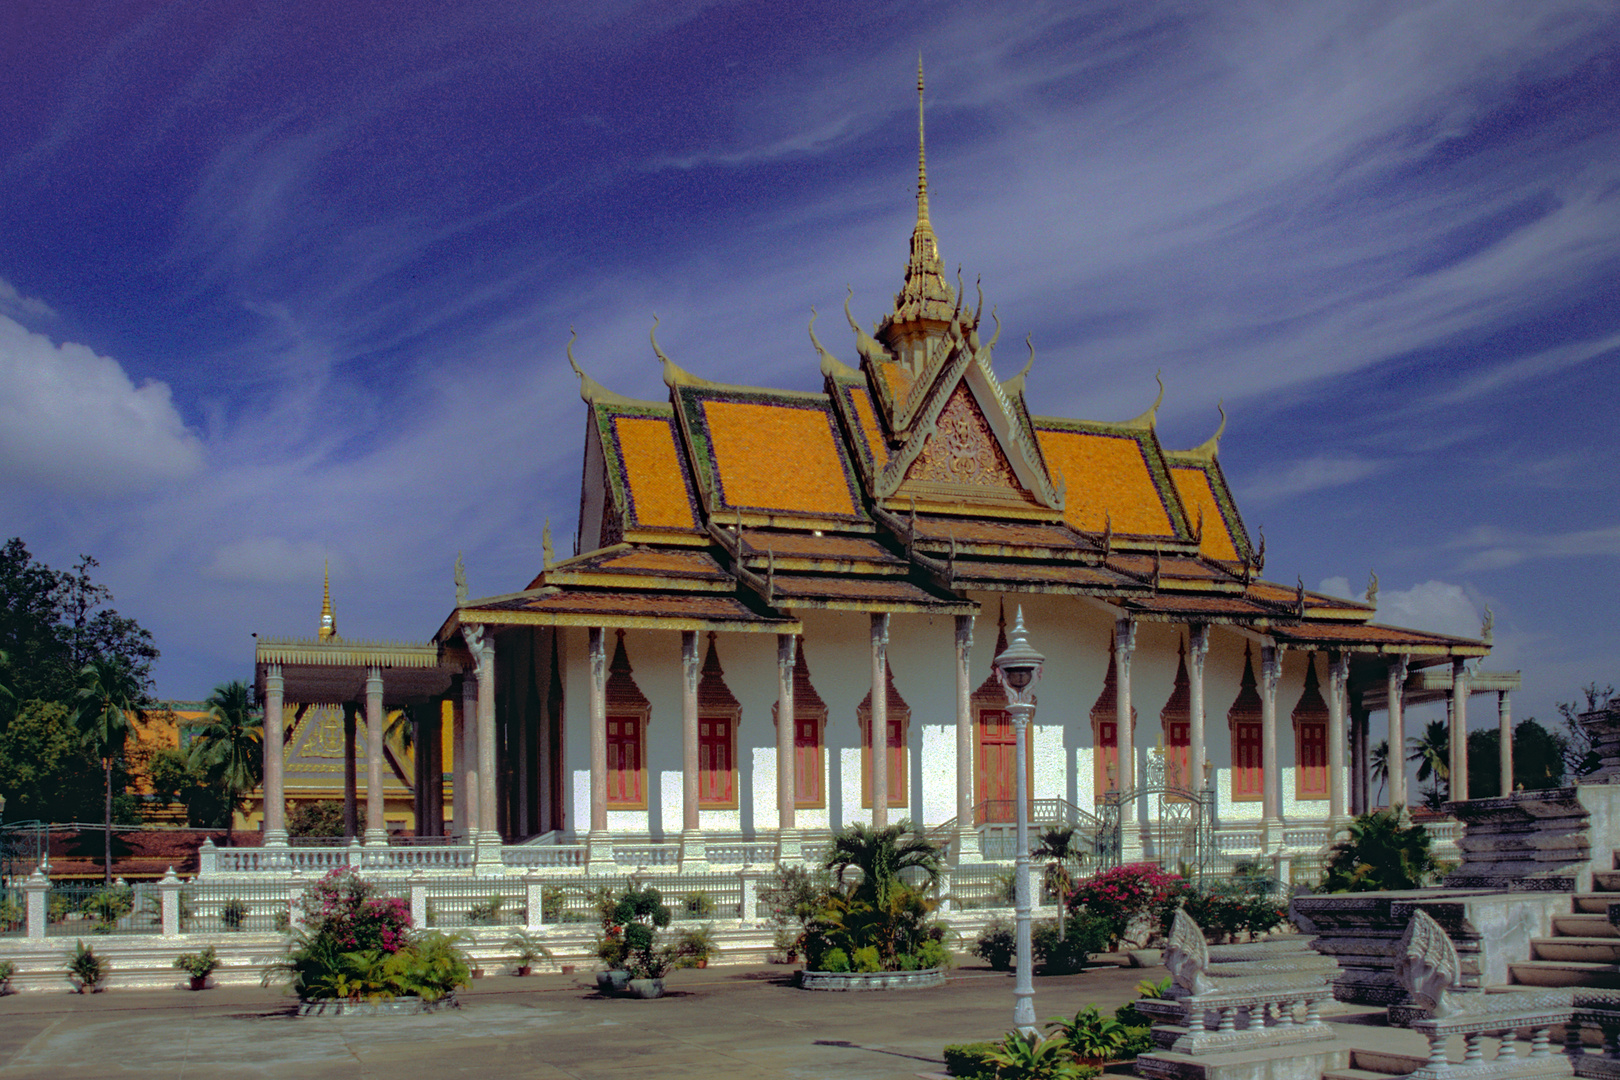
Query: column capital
[[1197, 642], [1124, 636], [1270, 669], [1339, 668], [880, 629], [1398, 667], [273, 677], [964, 631]]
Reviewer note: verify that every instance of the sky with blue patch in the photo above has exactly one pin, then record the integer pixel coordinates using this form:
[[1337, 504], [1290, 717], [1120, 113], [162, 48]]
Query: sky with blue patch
[[289, 282]]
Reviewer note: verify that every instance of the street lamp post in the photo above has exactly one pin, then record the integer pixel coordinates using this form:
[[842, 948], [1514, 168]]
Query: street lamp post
[[1018, 669]]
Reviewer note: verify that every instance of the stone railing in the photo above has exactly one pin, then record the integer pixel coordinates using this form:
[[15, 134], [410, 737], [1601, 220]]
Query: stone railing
[[545, 857], [653, 854], [1499, 1016], [742, 853]]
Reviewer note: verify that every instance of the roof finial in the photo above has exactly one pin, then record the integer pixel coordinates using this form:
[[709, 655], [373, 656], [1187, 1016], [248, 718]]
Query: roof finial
[[328, 622], [922, 151]]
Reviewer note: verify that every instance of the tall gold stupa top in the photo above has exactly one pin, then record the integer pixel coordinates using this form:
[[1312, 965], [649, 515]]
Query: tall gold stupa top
[[328, 622], [924, 306]]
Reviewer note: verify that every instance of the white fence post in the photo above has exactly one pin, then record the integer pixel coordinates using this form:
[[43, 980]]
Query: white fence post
[[536, 890], [36, 887], [207, 858], [749, 905], [418, 901], [169, 890]]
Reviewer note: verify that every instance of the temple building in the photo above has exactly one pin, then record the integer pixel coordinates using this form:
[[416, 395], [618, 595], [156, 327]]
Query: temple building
[[781, 609]]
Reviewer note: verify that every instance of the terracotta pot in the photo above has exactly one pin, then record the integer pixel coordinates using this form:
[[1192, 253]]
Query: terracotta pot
[[703, 963], [568, 969], [199, 982], [523, 969]]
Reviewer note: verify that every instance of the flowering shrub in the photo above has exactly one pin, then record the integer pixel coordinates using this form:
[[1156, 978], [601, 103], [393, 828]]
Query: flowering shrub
[[1223, 911], [1125, 893], [358, 945], [346, 908]]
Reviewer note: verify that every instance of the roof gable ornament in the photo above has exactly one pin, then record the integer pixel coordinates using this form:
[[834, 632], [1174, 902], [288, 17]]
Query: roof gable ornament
[[865, 344], [548, 554], [461, 581], [831, 366], [328, 630], [1372, 588], [590, 391]]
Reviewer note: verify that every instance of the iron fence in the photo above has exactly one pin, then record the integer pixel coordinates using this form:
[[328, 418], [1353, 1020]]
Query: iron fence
[[233, 906], [458, 905], [13, 912], [76, 909]]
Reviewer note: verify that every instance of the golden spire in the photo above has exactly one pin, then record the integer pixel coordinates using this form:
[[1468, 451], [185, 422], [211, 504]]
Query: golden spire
[[328, 623], [922, 152], [925, 305]]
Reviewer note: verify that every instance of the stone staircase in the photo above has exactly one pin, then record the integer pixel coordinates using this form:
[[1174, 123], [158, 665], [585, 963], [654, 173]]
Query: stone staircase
[[1375, 1065], [1584, 949]]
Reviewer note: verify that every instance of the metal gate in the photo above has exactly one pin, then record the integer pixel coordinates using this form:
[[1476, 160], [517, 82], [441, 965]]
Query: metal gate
[[1176, 826]]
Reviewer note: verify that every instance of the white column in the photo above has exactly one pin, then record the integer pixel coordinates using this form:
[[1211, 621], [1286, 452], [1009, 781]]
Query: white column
[[786, 730], [1338, 682], [275, 793], [879, 757], [1504, 727], [1124, 647], [967, 835], [598, 721], [1397, 731], [689, 731], [1197, 653], [1270, 769], [484, 663], [376, 825], [1459, 732]]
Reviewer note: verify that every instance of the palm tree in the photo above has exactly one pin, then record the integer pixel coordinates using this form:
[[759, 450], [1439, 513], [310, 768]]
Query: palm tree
[[109, 699], [881, 855], [1063, 856], [1432, 753], [1378, 764], [229, 748]]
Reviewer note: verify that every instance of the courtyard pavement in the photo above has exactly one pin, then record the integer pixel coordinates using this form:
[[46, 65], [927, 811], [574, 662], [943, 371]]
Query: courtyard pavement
[[718, 1022]]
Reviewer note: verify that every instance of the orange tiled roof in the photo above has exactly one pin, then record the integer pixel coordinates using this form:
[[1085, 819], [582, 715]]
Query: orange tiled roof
[[889, 589], [673, 605], [1031, 573], [868, 427], [1199, 604], [979, 531], [1366, 634], [778, 457], [654, 473], [674, 561], [1192, 484], [1108, 479], [804, 545], [1170, 567]]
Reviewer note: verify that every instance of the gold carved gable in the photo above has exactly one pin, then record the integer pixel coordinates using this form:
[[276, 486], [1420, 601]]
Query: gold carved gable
[[962, 456]]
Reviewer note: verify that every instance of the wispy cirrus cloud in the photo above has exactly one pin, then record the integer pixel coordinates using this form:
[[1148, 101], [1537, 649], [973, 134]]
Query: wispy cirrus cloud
[[1494, 548]]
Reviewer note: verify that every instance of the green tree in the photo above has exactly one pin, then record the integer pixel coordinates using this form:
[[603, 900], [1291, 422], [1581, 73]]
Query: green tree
[[881, 855], [45, 771], [1378, 764], [1580, 756], [109, 704], [229, 751], [1539, 758], [1063, 857], [1383, 852], [1432, 755]]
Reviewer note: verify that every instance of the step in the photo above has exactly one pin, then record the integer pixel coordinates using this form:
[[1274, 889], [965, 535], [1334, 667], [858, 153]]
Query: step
[[1595, 903], [1557, 973], [1606, 880], [1586, 950], [1588, 926], [1384, 1062], [1359, 1074]]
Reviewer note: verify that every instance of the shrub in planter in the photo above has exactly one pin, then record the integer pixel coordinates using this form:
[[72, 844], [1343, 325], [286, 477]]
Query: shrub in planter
[[1021, 1057], [487, 913], [85, 968], [791, 901], [199, 965], [1092, 1037], [695, 946], [834, 960], [360, 946], [969, 1059], [877, 909], [1130, 894], [996, 945], [233, 914], [866, 960], [7, 970]]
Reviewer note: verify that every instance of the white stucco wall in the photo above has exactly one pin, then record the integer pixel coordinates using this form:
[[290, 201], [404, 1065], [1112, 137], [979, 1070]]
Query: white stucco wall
[[1072, 632]]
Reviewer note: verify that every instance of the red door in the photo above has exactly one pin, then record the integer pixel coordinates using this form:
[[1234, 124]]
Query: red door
[[998, 757], [807, 762], [714, 761]]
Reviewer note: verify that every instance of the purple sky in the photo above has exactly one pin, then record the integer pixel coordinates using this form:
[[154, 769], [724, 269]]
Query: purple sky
[[288, 282]]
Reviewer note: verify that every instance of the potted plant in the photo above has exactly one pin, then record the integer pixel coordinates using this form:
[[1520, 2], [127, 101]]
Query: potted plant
[[648, 965], [628, 944], [7, 969], [233, 913], [198, 965], [694, 946], [525, 951], [86, 969]]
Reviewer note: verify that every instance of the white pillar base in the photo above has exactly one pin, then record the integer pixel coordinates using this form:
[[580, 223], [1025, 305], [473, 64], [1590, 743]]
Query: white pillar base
[[790, 847], [487, 855], [275, 838], [599, 854], [694, 852], [966, 849], [377, 837]]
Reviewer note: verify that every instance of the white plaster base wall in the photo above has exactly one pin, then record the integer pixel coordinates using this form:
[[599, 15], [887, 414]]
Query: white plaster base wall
[[1074, 635]]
